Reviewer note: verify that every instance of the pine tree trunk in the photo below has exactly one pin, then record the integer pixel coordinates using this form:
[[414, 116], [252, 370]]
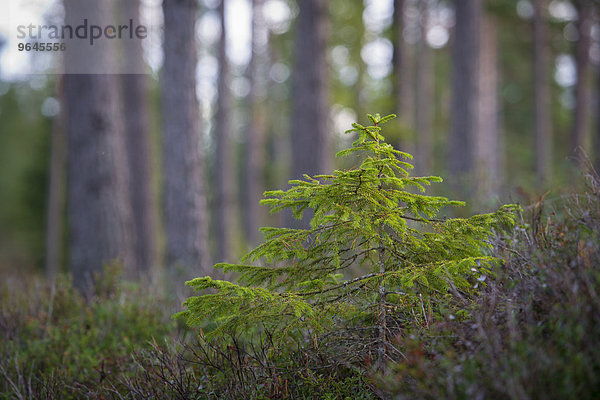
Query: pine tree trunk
[[382, 312], [359, 87], [55, 217], [424, 99], [398, 57], [404, 92], [487, 136], [99, 211], [310, 112], [137, 131], [543, 130], [597, 146], [184, 202], [224, 167], [465, 59], [255, 140], [310, 142], [582, 94]]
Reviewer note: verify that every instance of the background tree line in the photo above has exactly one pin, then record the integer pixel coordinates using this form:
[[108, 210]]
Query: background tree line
[[164, 171]]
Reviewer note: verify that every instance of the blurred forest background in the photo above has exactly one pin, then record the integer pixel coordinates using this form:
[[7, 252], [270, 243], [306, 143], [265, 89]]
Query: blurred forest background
[[165, 171]]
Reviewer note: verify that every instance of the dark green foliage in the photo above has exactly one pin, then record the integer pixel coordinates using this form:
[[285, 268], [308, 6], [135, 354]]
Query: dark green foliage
[[376, 258]]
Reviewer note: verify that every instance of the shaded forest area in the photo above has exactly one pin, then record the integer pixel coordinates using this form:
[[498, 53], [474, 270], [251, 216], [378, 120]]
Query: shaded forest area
[[115, 189]]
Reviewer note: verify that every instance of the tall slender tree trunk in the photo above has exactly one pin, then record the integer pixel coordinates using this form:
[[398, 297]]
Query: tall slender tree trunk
[[597, 145], [543, 130], [56, 194], [424, 98], [184, 201], [224, 167], [255, 140], [487, 135], [398, 56], [404, 91], [137, 132], [277, 139], [310, 111], [99, 211], [582, 94], [465, 59], [382, 312], [359, 91]]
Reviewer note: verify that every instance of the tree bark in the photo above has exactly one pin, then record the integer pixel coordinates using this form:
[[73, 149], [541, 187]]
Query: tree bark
[[309, 138], [255, 140], [184, 196], [543, 130], [404, 77], [360, 97], [403, 71], [487, 136], [465, 59], [55, 217], [424, 99], [99, 212], [381, 311], [398, 57], [597, 145], [136, 96], [224, 167], [580, 130]]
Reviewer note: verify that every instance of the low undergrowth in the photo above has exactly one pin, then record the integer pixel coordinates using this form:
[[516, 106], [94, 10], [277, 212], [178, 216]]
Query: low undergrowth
[[54, 343], [535, 329], [532, 332]]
